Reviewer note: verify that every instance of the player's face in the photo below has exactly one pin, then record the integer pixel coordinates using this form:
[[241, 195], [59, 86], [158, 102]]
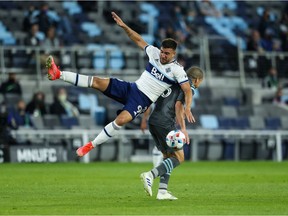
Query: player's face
[[197, 82], [166, 55]]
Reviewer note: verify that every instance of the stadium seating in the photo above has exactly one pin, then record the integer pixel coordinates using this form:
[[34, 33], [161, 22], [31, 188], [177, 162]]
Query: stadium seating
[[229, 111], [6, 36], [246, 110], [226, 122], [256, 122], [260, 110], [107, 152], [68, 122], [88, 103], [72, 7], [51, 121], [209, 122], [2, 97], [231, 101], [215, 150], [272, 123], [241, 123], [284, 122], [37, 122], [86, 122], [213, 109]]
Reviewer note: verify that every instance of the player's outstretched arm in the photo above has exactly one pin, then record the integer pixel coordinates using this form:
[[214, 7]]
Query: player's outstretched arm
[[188, 101], [180, 118], [143, 125], [134, 36]]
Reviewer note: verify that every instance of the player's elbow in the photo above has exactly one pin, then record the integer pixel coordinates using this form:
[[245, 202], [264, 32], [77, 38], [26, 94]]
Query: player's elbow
[[141, 43], [178, 106]]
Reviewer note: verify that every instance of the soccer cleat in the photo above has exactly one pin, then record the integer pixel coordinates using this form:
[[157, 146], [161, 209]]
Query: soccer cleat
[[165, 195], [53, 71], [84, 149], [147, 180]]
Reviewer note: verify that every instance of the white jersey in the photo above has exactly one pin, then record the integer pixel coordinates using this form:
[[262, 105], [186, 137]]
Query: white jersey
[[158, 77]]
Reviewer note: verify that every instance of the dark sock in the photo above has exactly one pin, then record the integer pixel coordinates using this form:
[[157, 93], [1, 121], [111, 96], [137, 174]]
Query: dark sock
[[164, 179], [165, 167]]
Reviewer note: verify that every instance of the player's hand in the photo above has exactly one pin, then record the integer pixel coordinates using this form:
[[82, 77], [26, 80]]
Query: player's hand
[[143, 126], [187, 139], [189, 116], [117, 19]]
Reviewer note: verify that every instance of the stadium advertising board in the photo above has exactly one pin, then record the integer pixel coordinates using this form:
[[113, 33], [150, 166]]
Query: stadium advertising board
[[36, 154], [4, 155], [1, 156]]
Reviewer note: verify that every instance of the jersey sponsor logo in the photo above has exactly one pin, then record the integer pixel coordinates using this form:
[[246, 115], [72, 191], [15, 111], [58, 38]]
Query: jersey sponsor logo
[[157, 75], [166, 93]]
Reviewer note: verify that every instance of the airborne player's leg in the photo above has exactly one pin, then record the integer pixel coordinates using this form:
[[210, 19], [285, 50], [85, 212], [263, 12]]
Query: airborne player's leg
[[73, 78], [124, 92], [100, 84]]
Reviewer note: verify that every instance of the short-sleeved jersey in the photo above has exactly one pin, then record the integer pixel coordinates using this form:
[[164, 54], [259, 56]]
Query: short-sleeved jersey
[[158, 77], [163, 114]]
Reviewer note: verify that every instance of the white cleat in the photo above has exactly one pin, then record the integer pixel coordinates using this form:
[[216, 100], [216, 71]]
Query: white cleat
[[165, 195], [147, 180]]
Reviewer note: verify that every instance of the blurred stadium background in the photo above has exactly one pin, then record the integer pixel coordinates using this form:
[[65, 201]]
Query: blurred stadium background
[[238, 116]]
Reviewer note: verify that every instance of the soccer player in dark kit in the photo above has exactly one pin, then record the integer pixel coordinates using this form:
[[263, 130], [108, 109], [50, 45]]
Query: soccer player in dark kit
[[169, 105]]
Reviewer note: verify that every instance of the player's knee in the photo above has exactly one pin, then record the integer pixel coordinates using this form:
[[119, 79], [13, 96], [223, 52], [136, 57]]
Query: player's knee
[[180, 157], [123, 118], [100, 83], [120, 121]]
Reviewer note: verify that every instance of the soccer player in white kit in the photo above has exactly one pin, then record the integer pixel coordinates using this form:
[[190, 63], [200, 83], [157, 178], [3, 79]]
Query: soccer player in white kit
[[161, 72]]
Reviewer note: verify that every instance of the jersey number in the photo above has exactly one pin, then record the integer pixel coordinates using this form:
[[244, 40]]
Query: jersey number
[[166, 93]]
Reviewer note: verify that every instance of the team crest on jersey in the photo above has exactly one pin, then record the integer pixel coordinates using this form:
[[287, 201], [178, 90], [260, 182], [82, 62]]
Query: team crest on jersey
[[168, 70]]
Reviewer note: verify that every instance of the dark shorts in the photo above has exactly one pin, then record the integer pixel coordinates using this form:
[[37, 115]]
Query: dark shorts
[[127, 93], [159, 136]]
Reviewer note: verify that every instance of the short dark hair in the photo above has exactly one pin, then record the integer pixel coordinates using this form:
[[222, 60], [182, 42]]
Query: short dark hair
[[169, 43], [195, 73]]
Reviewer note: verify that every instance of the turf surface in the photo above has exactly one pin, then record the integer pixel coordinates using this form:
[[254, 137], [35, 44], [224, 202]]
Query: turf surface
[[210, 188]]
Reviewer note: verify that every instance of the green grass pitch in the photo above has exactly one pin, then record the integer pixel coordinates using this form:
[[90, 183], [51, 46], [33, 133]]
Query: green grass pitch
[[203, 188]]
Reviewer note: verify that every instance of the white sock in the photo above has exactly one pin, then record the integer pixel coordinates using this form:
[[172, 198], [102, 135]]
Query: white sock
[[157, 157], [108, 131], [76, 79]]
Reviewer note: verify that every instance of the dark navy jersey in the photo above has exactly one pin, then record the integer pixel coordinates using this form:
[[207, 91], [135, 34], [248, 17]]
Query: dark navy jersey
[[163, 114]]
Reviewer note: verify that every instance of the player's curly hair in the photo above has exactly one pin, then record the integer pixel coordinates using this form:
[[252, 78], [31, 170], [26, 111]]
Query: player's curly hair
[[195, 73], [169, 43]]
